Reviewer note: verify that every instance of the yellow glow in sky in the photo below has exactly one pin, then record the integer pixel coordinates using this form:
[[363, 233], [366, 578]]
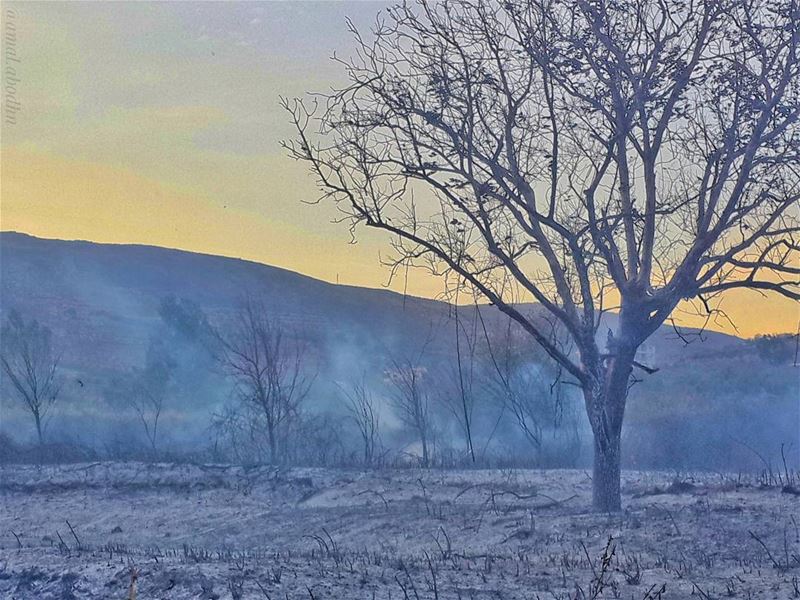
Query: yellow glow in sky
[[158, 123]]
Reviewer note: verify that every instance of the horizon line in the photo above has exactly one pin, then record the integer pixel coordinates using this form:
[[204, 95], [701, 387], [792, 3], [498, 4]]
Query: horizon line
[[384, 289]]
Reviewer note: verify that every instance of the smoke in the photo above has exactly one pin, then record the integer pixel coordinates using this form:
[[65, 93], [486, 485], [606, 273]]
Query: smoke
[[724, 404]]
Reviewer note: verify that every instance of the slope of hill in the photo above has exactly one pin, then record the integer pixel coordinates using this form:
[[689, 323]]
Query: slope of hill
[[101, 300]]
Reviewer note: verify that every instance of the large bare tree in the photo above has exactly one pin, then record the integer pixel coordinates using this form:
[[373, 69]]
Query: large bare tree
[[31, 366], [596, 155]]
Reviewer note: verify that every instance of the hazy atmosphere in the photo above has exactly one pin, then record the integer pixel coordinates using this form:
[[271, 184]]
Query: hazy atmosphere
[[419, 300]]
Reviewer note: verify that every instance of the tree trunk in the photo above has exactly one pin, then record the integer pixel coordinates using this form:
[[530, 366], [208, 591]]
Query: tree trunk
[[155, 433], [470, 447], [40, 448], [273, 445], [39, 433], [606, 474], [606, 410]]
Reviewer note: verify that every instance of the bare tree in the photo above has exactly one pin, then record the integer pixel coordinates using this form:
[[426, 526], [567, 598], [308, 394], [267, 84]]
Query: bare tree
[[410, 398], [317, 440], [31, 366], [595, 155], [360, 405], [145, 390], [269, 369], [527, 385], [460, 396], [232, 433]]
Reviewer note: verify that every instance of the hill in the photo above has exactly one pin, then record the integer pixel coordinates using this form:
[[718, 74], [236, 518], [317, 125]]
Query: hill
[[102, 300], [102, 303]]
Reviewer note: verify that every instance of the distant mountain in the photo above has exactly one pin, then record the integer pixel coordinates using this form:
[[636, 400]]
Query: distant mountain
[[102, 303], [102, 300]]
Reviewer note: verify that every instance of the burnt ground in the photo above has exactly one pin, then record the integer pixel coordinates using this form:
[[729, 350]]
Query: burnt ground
[[210, 531]]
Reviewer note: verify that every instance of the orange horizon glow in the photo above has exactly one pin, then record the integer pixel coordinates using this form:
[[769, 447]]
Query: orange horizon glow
[[159, 124]]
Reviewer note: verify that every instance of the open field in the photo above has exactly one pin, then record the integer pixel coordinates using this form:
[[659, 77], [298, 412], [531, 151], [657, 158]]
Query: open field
[[226, 532]]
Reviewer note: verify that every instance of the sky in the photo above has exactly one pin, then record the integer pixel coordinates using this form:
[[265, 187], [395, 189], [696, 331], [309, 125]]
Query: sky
[[159, 123]]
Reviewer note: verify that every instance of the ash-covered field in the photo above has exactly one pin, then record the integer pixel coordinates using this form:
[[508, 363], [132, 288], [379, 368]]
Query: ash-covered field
[[83, 531]]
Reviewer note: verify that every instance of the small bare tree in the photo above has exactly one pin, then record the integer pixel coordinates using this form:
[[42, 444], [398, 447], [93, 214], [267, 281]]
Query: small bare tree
[[459, 397], [145, 391], [269, 369], [596, 155], [410, 398], [527, 384], [231, 434], [31, 365], [361, 408]]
